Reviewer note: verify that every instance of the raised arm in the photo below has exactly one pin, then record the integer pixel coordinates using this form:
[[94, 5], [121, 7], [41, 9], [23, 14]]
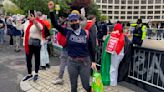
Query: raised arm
[[53, 18]]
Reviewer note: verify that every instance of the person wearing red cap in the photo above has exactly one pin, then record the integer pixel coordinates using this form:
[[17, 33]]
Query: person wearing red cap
[[112, 55]]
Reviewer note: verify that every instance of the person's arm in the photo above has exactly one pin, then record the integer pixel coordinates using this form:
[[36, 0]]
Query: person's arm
[[38, 25], [56, 25], [83, 22], [92, 45], [92, 42]]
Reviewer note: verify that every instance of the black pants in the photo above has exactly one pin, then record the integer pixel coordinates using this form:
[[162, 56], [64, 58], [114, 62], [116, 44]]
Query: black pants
[[36, 51], [11, 40]]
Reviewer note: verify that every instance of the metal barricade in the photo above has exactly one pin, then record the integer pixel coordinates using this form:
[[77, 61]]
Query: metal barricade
[[147, 66], [156, 34], [152, 33]]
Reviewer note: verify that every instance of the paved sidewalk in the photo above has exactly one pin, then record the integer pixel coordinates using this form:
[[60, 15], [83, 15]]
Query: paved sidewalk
[[44, 83]]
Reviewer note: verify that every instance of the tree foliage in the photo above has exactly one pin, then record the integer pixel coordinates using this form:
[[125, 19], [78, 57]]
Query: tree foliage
[[11, 8], [65, 5], [103, 18], [39, 5], [93, 10]]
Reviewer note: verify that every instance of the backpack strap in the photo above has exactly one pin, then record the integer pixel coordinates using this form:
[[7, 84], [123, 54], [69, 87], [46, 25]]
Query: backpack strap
[[87, 33]]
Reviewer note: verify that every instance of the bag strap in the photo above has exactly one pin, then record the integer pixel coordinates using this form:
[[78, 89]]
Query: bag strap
[[87, 33]]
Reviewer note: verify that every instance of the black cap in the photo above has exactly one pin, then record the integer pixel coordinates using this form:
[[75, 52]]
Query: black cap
[[139, 21]]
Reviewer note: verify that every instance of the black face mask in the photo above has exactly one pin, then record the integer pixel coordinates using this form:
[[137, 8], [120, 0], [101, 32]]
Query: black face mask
[[75, 26]]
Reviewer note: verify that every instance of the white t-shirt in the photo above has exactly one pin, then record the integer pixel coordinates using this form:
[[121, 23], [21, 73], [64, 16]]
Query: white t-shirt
[[34, 31]]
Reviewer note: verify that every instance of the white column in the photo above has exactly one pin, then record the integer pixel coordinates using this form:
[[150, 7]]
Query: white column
[[113, 9]]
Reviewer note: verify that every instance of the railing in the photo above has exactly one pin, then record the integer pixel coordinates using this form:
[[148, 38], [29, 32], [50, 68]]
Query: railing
[[153, 33], [156, 34], [147, 67]]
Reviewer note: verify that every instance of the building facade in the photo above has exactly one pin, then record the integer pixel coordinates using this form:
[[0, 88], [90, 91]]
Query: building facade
[[130, 10]]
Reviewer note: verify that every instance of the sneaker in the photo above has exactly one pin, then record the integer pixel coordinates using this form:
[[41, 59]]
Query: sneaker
[[57, 81], [47, 65], [35, 77], [28, 77], [43, 68]]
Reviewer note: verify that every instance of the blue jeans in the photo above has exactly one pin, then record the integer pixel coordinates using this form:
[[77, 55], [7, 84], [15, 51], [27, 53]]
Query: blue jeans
[[1, 36]]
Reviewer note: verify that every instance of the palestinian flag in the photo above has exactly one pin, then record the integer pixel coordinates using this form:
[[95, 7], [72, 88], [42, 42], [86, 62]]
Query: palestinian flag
[[113, 53]]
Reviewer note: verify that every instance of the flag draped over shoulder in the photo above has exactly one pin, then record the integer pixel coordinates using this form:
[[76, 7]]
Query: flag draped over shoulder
[[111, 59]]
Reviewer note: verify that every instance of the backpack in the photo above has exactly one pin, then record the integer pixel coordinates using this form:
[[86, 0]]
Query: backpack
[[61, 39]]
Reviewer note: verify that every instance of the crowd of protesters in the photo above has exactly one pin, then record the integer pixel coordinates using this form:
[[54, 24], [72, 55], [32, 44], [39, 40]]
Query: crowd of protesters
[[79, 35]]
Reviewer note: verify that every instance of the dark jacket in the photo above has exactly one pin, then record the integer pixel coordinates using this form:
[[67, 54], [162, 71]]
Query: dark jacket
[[2, 23], [78, 50], [137, 36], [124, 64]]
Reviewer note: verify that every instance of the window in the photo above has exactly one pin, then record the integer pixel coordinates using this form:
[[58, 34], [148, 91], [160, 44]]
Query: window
[[143, 7], [135, 12], [98, 1], [143, 1], [129, 12], [150, 7], [109, 12], [123, 2], [110, 7], [123, 7], [104, 6], [157, 7], [115, 17], [150, 1], [116, 7], [98, 6], [129, 17], [110, 17], [158, 1], [130, 2], [136, 1], [143, 17], [135, 17], [149, 17], [104, 12], [157, 12], [162, 17], [156, 17], [122, 12], [122, 17], [116, 12], [136, 7], [117, 1], [110, 1], [104, 1], [143, 12], [150, 12], [129, 7]]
